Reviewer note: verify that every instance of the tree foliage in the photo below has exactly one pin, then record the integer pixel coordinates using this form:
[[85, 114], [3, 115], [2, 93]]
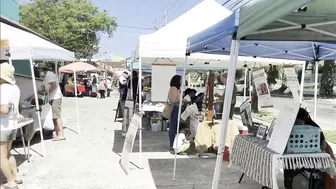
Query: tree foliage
[[327, 79], [73, 24]]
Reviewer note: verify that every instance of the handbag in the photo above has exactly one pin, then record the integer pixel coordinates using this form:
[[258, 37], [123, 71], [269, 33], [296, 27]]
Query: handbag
[[167, 110], [46, 116]]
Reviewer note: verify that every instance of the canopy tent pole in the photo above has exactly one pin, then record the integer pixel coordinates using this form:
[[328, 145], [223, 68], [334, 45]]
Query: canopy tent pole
[[250, 85], [76, 99], [315, 90], [38, 112], [140, 110], [179, 111], [245, 78], [225, 115], [132, 80], [302, 81], [56, 69]]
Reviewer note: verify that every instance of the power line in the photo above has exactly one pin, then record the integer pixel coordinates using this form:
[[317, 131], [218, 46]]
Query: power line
[[135, 27]]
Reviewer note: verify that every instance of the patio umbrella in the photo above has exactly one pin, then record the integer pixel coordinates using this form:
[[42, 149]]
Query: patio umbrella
[[78, 67]]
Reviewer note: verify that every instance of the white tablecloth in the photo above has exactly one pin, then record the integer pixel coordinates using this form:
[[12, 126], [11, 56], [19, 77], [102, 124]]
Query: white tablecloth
[[31, 129], [260, 163]]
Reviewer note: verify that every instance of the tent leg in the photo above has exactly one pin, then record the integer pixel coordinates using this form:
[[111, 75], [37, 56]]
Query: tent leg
[[225, 115], [315, 90], [76, 98], [302, 81], [250, 85], [37, 104], [179, 112], [245, 78], [140, 110]]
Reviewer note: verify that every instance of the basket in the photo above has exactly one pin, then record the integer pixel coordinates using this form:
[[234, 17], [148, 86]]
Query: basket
[[304, 139]]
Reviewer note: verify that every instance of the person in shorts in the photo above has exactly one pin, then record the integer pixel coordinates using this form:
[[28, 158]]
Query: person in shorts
[[54, 93], [9, 113]]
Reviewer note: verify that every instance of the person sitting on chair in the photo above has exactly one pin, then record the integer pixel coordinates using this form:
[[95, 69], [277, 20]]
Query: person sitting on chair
[[303, 118]]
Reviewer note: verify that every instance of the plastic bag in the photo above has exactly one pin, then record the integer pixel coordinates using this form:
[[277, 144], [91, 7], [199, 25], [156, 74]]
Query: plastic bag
[[46, 117]]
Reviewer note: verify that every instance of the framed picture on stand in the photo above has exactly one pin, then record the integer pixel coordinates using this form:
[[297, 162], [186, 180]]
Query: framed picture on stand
[[262, 131]]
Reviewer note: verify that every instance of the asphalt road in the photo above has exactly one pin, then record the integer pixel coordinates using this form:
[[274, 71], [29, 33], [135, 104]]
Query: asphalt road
[[326, 111]]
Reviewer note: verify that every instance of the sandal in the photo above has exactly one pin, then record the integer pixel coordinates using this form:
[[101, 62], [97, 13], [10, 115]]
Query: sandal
[[20, 181], [9, 187], [58, 139]]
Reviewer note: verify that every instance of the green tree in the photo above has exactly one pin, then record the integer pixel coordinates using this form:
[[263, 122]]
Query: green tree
[[327, 79], [73, 24]]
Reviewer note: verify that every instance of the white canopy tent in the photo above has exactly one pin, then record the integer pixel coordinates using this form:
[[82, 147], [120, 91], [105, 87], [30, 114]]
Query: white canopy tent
[[25, 45], [168, 44]]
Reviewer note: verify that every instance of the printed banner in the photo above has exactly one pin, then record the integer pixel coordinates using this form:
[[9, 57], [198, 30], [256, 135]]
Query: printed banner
[[129, 141], [263, 92], [292, 82]]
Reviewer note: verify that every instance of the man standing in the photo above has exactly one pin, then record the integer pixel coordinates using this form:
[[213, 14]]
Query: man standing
[[52, 88], [222, 97]]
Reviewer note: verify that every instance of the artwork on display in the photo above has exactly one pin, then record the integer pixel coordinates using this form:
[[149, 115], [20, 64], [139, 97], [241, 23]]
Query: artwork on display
[[292, 81], [270, 130], [246, 114], [283, 127], [263, 92], [262, 131], [129, 141]]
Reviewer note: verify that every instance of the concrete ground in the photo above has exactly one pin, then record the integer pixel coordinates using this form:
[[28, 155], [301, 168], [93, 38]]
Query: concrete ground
[[91, 160]]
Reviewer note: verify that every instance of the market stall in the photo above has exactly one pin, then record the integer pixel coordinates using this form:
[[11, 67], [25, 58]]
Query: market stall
[[243, 33], [25, 44]]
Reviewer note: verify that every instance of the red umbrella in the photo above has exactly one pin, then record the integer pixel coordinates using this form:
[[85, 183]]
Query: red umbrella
[[78, 67]]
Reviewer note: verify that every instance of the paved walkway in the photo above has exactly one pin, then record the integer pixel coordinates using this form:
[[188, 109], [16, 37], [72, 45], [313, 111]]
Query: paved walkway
[[90, 160]]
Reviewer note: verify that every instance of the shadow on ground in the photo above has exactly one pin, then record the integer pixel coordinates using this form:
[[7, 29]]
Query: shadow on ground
[[151, 142], [195, 173]]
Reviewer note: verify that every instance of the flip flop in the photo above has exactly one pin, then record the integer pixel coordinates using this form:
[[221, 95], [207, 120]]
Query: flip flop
[[58, 139], [9, 187], [20, 181]]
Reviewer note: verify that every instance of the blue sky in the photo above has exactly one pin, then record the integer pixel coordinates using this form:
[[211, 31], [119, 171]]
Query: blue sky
[[136, 13]]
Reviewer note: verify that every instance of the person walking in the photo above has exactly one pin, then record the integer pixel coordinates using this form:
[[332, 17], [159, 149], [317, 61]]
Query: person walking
[[109, 85], [9, 112], [102, 88], [52, 88]]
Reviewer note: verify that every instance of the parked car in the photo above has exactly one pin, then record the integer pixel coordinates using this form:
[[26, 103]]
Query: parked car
[[240, 88]]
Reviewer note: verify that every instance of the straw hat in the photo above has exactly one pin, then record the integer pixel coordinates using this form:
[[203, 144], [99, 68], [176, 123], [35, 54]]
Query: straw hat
[[7, 72]]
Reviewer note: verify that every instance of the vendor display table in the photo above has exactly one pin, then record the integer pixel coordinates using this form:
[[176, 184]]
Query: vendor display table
[[21, 123], [260, 163]]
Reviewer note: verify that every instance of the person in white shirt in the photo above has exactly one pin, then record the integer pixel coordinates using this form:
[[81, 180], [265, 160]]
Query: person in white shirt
[[9, 112], [181, 144], [51, 86]]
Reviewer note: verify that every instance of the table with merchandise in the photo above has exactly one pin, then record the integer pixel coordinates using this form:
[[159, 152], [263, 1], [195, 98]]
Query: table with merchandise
[[251, 155]]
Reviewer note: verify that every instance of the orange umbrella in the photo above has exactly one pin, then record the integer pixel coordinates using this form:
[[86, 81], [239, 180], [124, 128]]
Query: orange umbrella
[[78, 67]]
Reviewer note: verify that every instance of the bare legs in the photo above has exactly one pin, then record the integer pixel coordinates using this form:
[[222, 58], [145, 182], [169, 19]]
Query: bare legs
[[58, 132], [8, 163]]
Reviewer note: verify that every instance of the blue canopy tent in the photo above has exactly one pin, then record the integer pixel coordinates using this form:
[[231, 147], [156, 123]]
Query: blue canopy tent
[[297, 30]]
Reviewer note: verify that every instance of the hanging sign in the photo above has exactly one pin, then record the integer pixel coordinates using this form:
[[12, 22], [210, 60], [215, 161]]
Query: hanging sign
[[292, 81], [129, 141], [263, 92], [283, 127]]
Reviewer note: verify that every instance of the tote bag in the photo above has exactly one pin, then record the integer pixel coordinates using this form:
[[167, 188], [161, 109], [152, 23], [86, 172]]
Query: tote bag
[[167, 110], [46, 116]]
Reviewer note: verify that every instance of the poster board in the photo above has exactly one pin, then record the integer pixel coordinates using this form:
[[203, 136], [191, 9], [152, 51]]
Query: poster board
[[129, 141], [128, 113], [283, 127], [263, 92], [292, 81], [193, 125], [161, 76]]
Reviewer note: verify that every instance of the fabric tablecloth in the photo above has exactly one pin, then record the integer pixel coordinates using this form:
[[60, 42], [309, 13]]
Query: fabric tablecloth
[[260, 163]]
